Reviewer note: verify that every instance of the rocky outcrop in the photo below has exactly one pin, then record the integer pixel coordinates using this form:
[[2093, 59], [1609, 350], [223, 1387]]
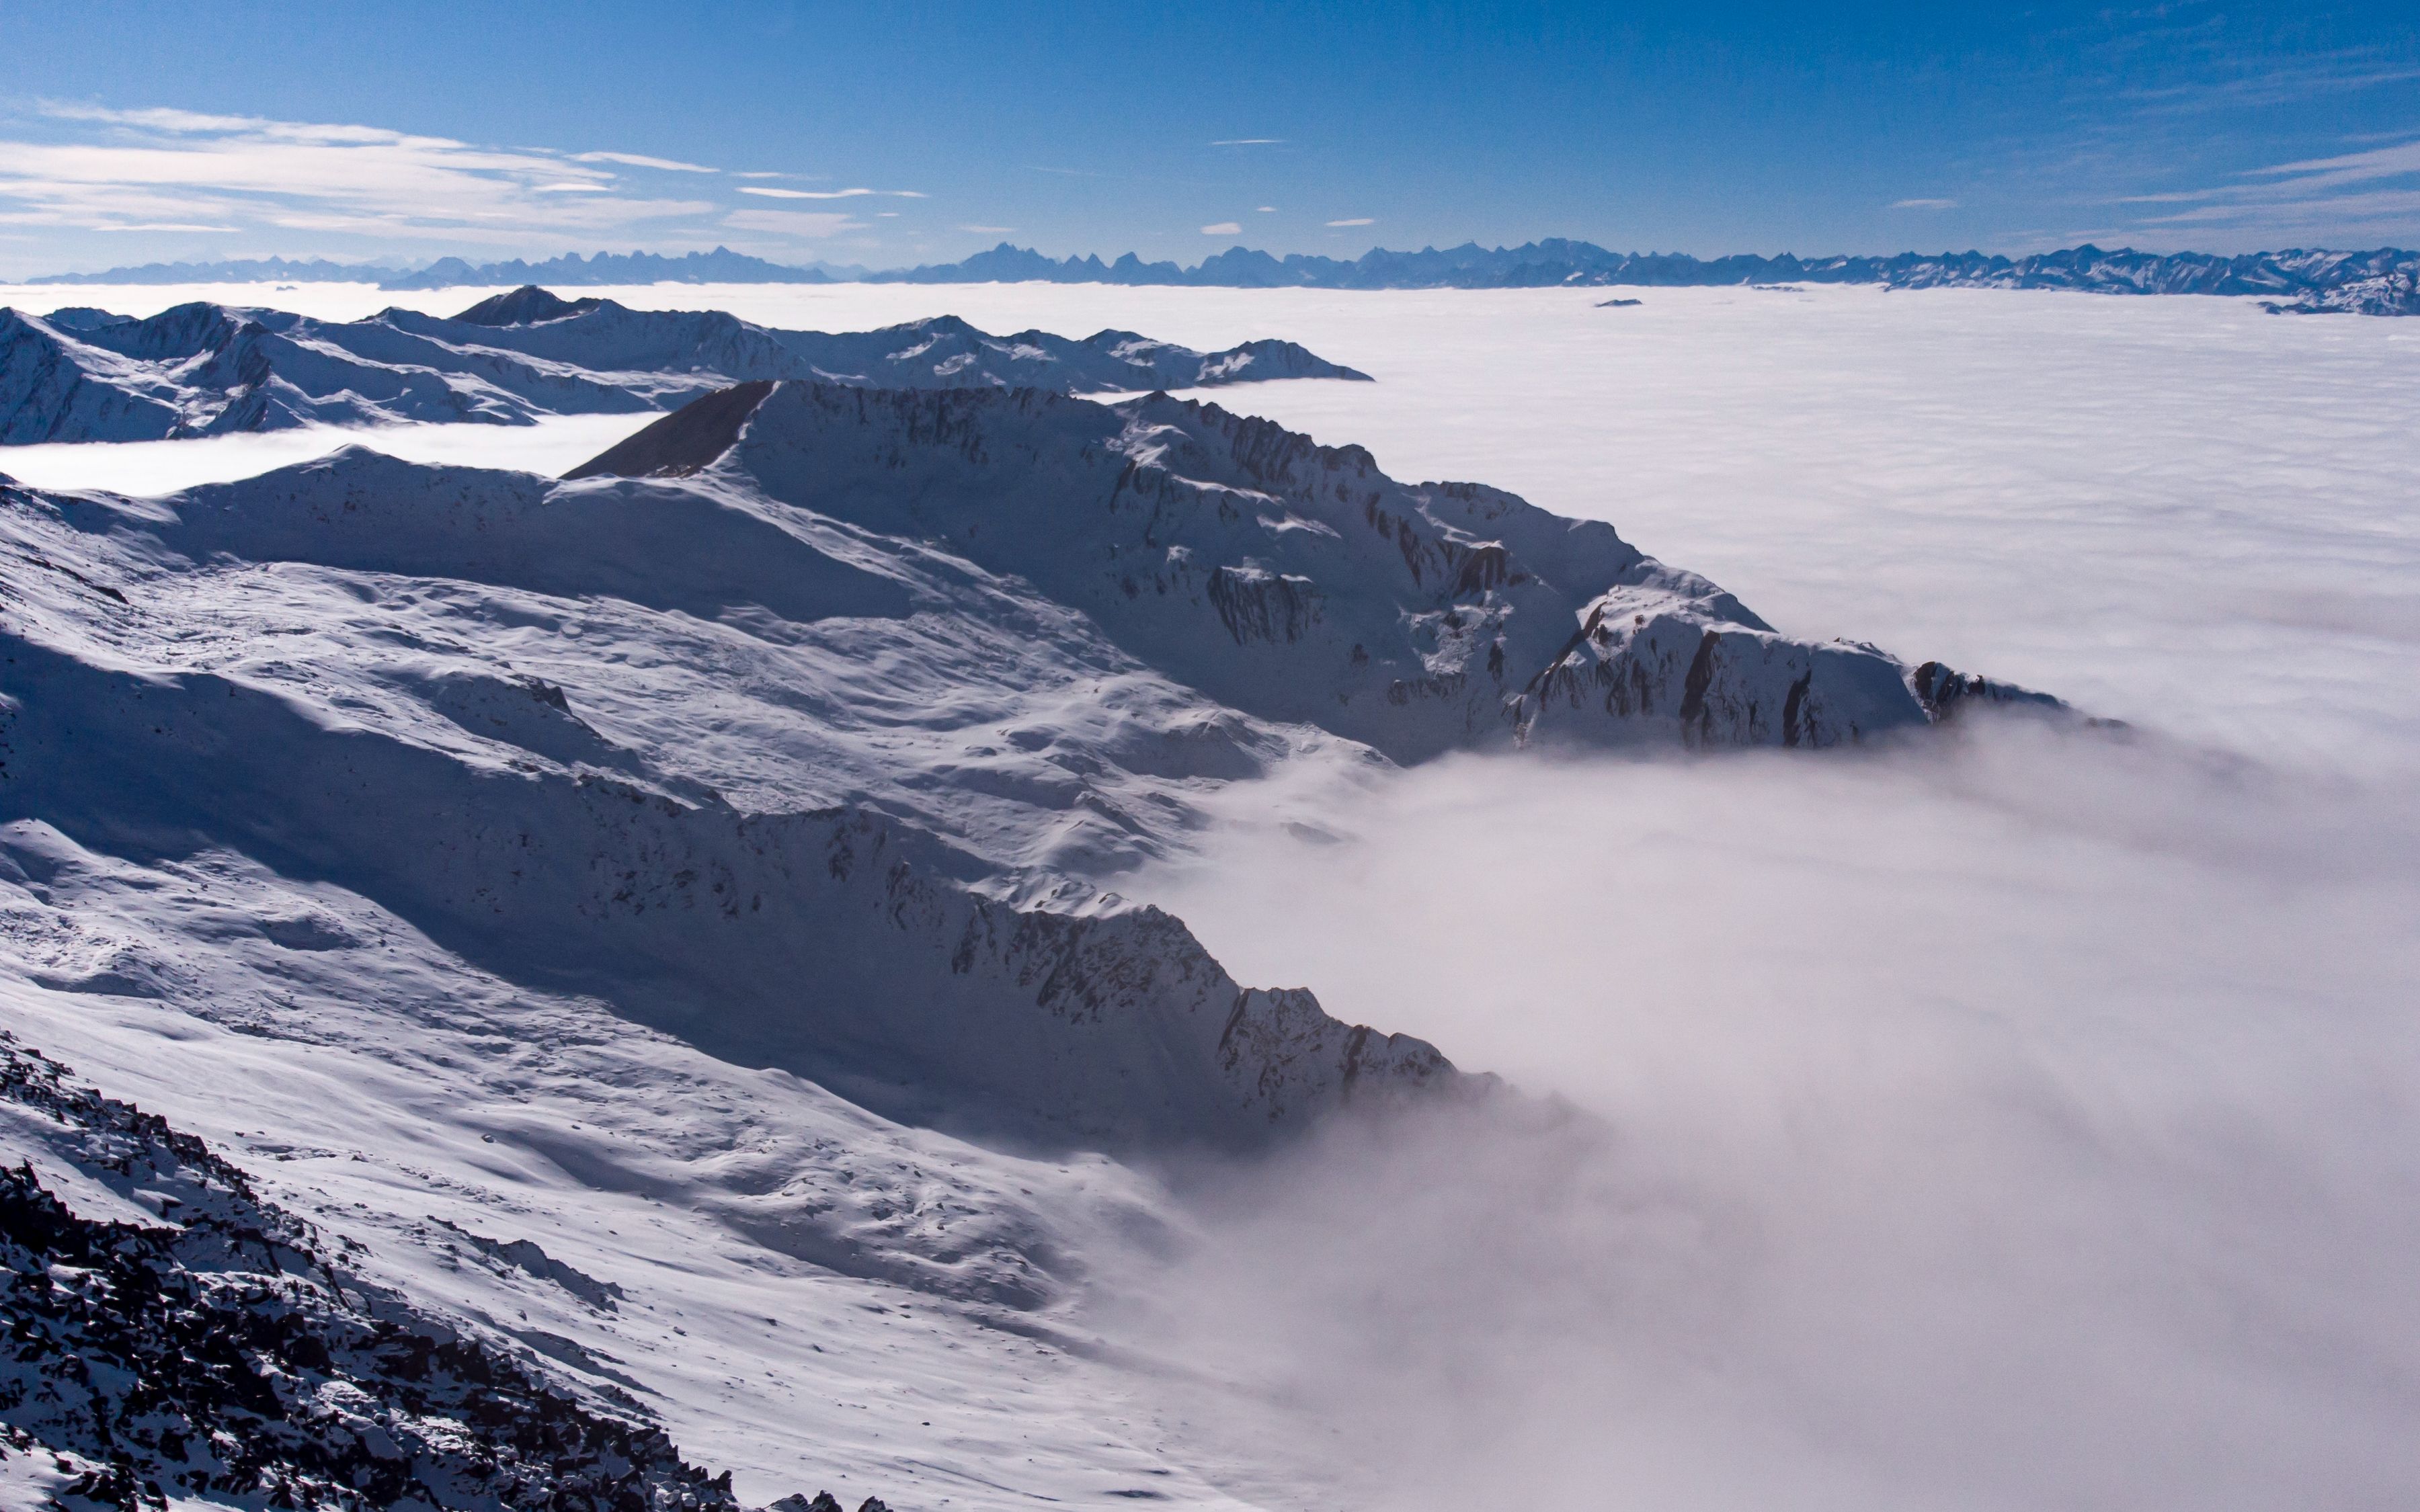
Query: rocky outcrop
[[524, 306], [206, 1347]]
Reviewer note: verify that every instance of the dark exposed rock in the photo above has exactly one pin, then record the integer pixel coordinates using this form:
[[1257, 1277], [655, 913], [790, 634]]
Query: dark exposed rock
[[689, 439], [524, 306], [219, 1354]]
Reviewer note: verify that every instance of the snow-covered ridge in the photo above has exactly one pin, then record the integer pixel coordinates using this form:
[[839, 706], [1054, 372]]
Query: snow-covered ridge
[[205, 370], [389, 756], [1298, 583], [2313, 279]]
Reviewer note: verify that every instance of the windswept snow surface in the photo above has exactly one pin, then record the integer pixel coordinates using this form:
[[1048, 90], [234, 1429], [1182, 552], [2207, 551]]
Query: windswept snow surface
[[2023, 1121]]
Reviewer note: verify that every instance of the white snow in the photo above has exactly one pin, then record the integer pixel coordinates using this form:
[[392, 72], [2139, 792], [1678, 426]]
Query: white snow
[[554, 444]]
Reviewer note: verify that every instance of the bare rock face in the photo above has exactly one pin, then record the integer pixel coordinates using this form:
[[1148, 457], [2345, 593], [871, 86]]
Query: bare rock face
[[527, 305]]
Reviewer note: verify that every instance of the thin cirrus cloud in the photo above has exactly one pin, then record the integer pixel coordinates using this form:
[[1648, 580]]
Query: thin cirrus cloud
[[114, 170], [1251, 142], [1924, 205], [830, 193], [990, 230], [2352, 192], [1357, 220], [635, 161], [810, 225]]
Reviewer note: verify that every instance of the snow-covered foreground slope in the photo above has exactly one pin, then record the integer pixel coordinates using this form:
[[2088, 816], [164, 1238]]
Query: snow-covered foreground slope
[[84, 375], [776, 757], [174, 1336], [795, 1290]]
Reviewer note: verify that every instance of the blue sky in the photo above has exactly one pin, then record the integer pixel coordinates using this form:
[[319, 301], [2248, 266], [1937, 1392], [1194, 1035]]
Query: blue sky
[[894, 135]]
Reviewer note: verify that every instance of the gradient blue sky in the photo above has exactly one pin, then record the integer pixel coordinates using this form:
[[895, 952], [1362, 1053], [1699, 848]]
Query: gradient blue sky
[[894, 135]]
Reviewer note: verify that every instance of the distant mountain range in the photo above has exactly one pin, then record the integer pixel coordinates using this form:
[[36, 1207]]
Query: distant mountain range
[[2383, 282]]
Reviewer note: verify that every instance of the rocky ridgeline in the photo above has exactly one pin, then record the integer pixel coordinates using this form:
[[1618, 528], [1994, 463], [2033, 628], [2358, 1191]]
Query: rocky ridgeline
[[219, 1352], [1298, 582]]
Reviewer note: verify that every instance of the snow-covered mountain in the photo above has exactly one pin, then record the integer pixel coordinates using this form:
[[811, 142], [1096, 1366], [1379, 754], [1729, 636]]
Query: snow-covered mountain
[[2315, 280], [654, 918], [2380, 287], [801, 744], [1298, 582], [202, 370], [2311, 275]]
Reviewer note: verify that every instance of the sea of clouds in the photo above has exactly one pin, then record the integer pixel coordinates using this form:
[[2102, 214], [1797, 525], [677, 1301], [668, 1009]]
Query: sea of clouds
[[2028, 1117]]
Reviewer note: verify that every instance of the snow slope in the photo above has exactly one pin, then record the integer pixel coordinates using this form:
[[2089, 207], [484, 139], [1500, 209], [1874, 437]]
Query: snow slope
[[175, 1336], [82, 375], [186, 702], [794, 1289]]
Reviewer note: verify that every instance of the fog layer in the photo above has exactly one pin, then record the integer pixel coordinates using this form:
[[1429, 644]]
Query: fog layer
[[2025, 1123]]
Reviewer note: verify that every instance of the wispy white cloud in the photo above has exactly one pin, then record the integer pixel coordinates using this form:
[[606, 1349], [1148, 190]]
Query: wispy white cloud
[[1265, 209], [635, 161], [1924, 205], [161, 169], [2393, 161], [832, 194], [1251, 142], [1356, 220], [2352, 194], [990, 230], [808, 224], [1222, 228]]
